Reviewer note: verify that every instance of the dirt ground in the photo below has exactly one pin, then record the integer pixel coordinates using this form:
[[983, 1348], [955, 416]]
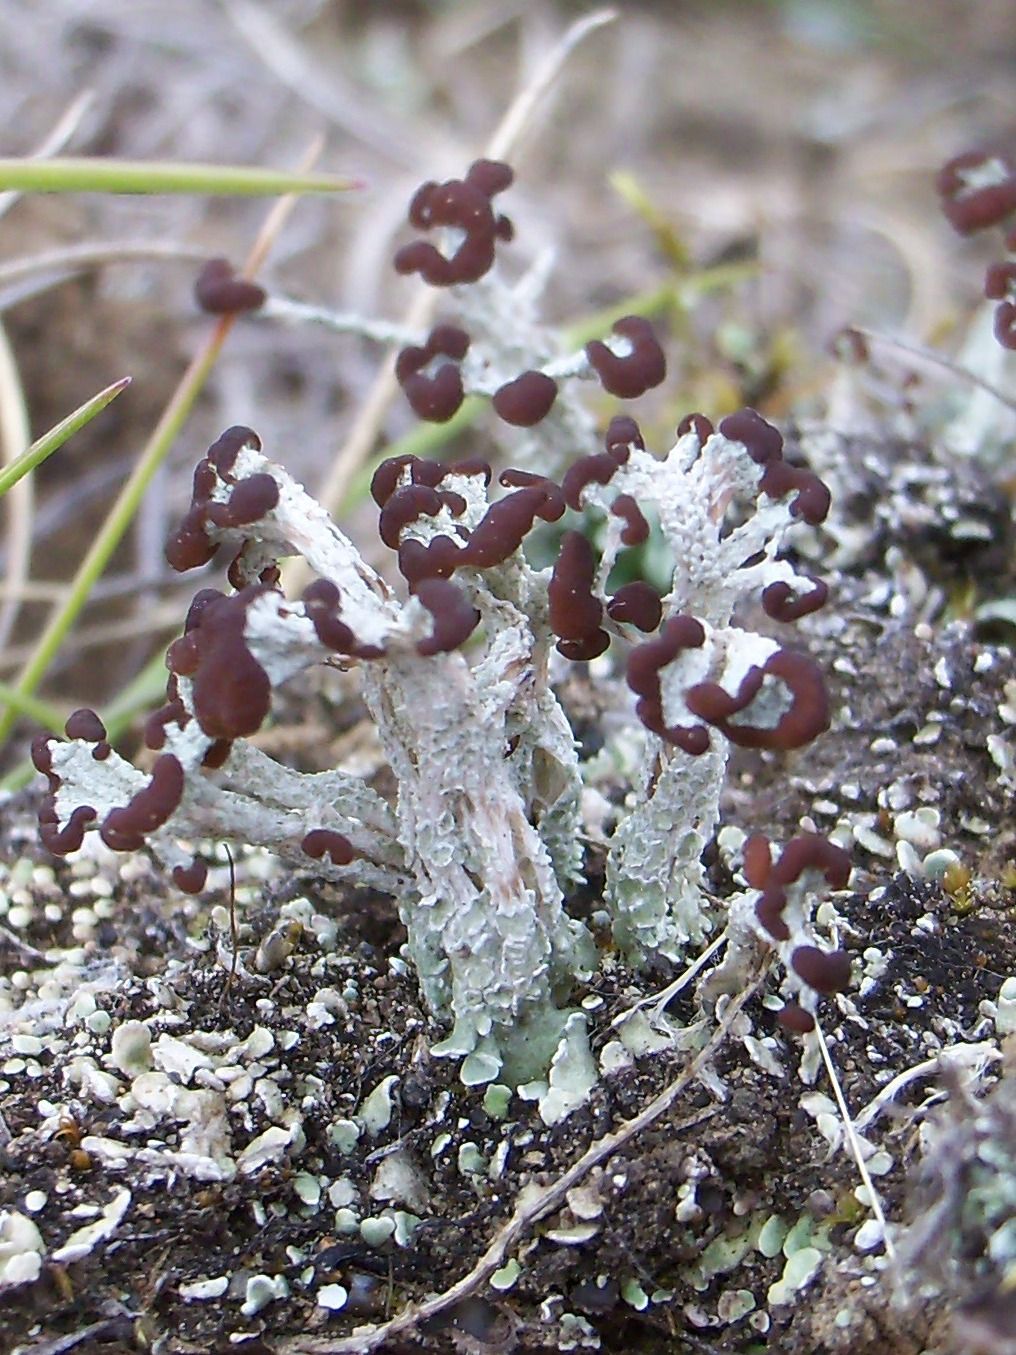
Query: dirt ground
[[795, 143]]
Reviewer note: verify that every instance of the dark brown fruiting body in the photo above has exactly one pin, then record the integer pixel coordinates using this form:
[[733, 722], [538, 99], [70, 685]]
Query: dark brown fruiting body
[[638, 371], [322, 842], [808, 851], [575, 611], [637, 604], [455, 617], [971, 209], [465, 205], [219, 291], [526, 400], [807, 717], [643, 673], [124, 829], [636, 528], [434, 389]]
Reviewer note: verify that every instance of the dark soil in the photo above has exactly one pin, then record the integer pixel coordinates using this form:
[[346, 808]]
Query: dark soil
[[660, 1250]]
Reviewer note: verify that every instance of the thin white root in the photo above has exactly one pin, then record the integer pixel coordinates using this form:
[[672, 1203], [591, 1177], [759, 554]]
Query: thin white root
[[874, 1200]]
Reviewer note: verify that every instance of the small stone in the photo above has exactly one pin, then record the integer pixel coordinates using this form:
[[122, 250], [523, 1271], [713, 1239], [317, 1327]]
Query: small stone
[[868, 1236], [198, 1290]]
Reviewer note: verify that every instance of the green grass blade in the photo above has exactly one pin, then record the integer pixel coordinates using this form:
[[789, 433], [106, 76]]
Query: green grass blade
[[58, 435], [42, 712], [86, 174], [118, 521], [145, 690]]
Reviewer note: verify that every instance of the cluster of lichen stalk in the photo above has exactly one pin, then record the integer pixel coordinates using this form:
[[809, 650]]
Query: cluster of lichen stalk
[[483, 842]]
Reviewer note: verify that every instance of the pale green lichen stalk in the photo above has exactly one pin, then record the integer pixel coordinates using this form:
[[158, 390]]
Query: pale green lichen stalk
[[484, 837]]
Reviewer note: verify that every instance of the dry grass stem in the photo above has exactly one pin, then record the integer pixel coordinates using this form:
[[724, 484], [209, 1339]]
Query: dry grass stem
[[366, 427], [874, 1199], [153, 621], [19, 501], [933, 359], [56, 265], [168, 426], [328, 92]]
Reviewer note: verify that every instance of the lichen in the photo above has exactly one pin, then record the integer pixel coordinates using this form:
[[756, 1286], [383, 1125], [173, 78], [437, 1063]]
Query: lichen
[[483, 839]]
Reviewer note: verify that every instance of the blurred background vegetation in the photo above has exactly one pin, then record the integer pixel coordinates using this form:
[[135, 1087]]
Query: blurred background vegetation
[[759, 172]]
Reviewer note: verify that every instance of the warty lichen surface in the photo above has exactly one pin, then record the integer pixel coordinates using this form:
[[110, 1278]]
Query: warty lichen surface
[[484, 839]]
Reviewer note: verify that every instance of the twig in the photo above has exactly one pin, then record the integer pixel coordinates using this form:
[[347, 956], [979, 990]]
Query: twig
[[234, 931], [364, 433], [511, 127], [926, 1068], [112, 586], [282, 54], [32, 590], [43, 713], [161, 617], [115, 1328], [287, 310], [14, 421], [659, 1000], [530, 1210], [22, 947]]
